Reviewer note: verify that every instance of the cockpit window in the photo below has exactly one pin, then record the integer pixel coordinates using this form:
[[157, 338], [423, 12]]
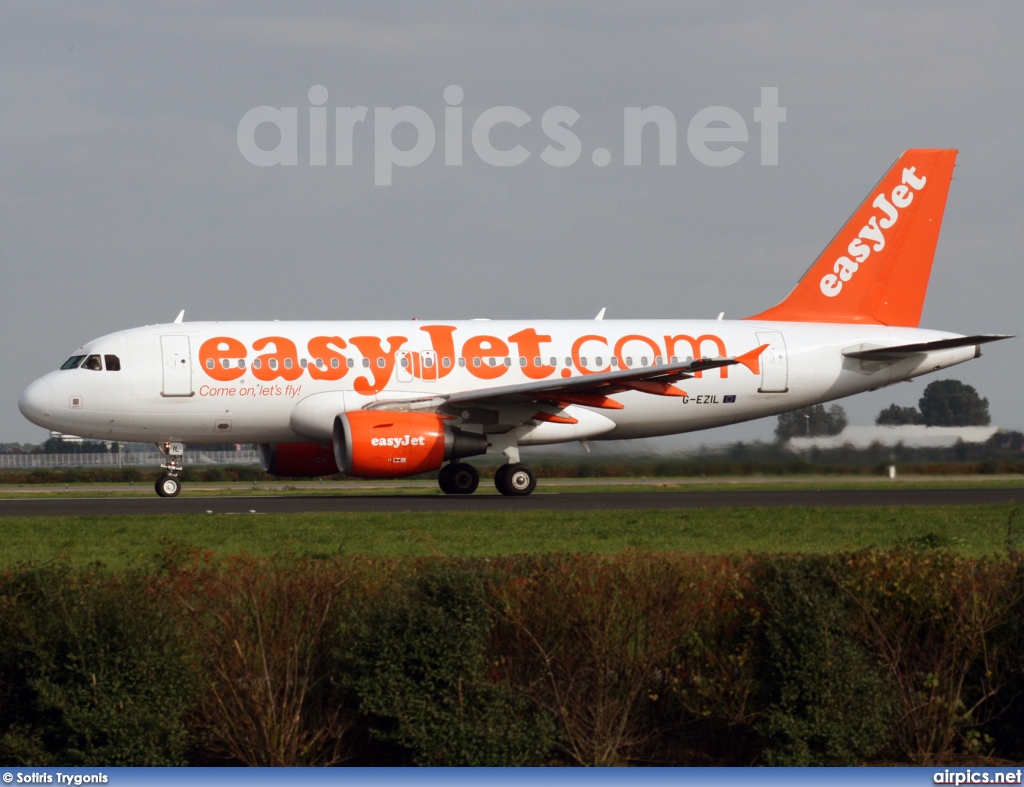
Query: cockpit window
[[73, 362], [93, 363], [113, 363]]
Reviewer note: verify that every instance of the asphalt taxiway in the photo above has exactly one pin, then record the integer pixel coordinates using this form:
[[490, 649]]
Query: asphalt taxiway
[[59, 505]]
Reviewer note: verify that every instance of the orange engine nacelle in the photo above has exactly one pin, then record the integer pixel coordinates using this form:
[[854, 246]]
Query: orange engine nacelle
[[298, 459], [385, 444]]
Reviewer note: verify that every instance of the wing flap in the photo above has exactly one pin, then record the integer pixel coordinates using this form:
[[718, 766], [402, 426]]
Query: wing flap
[[600, 384], [589, 390]]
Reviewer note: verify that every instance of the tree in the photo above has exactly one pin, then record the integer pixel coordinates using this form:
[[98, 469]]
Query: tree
[[953, 403], [813, 421], [894, 415]]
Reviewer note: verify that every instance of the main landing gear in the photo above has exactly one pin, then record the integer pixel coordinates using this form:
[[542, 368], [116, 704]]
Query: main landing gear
[[168, 484], [513, 479], [458, 478]]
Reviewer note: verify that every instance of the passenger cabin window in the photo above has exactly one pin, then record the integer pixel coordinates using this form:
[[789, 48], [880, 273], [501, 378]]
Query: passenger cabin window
[[93, 363], [113, 363], [73, 362]]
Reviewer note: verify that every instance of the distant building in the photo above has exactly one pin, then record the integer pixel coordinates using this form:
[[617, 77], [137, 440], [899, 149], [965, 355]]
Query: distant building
[[911, 436]]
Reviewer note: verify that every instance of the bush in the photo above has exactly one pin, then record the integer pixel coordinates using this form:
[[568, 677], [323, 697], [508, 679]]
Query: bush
[[262, 634], [938, 624], [827, 700], [92, 672], [585, 636], [907, 656], [614, 648], [418, 661]]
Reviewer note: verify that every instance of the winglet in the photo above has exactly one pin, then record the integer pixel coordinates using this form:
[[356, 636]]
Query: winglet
[[180, 317], [875, 270], [752, 359]]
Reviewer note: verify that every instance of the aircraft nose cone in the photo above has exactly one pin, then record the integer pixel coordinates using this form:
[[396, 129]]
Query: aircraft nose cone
[[36, 402]]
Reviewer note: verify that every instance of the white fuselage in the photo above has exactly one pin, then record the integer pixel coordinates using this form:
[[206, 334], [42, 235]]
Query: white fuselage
[[277, 382]]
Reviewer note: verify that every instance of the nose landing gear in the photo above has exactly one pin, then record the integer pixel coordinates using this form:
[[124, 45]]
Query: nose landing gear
[[168, 484]]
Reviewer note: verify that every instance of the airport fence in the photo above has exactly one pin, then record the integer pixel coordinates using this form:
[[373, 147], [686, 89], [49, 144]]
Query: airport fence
[[124, 459]]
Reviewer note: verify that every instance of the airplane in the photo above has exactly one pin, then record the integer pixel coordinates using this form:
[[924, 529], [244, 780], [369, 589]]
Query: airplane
[[388, 399]]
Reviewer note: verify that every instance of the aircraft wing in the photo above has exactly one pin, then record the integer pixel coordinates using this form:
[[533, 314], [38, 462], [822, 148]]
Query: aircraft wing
[[589, 390], [906, 350]]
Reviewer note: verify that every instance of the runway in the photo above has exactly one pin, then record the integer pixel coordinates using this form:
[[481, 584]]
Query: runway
[[539, 501]]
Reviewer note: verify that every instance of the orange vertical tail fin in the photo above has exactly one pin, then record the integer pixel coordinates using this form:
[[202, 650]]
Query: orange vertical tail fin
[[876, 269]]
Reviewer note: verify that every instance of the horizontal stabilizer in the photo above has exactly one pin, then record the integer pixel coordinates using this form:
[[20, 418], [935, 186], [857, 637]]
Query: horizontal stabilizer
[[905, 350]]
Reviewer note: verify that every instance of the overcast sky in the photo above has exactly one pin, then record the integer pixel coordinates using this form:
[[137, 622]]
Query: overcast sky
[[124, 197]]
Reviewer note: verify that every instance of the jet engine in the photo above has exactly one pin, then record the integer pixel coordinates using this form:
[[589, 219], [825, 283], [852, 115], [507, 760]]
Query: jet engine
[[298, 459], [386, 444]]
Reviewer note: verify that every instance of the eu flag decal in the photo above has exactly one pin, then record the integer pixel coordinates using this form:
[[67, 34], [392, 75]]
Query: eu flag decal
[[729, 399]]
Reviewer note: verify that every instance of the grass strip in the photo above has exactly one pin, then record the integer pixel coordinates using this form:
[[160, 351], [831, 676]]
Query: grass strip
[[123, 541]]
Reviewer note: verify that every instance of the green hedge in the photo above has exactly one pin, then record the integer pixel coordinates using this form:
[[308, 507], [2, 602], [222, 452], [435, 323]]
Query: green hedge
[[910, 656], [93, 671]]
